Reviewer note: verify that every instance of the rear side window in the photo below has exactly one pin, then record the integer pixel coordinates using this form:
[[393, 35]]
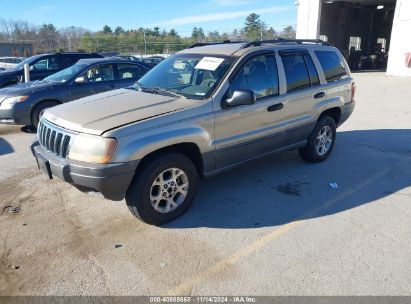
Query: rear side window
[[332, 65], [312, 71], [67, 61], [296, 72]]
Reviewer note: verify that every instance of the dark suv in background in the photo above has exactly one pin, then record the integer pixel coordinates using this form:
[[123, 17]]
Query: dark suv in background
[[23, 103], [42, 66]]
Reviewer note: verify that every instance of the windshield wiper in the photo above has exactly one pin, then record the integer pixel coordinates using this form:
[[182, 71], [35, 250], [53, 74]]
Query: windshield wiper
[[157, 90], [164, 91], [139, 86]]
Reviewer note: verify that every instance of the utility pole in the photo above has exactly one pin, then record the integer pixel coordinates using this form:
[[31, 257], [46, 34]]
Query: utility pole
[[145, 44], [69, 42], [261, 31]]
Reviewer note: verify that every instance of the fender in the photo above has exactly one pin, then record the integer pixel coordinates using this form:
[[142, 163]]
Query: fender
[[334, 102], [131, 148]]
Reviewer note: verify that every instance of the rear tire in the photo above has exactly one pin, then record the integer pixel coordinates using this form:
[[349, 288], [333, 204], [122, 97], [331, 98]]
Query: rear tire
[[320, 142], [38, 109], [163, 188]]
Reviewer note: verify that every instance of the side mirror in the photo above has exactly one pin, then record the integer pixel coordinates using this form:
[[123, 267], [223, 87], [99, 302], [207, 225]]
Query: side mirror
[[32, 68], [80, 80], [239, 98]]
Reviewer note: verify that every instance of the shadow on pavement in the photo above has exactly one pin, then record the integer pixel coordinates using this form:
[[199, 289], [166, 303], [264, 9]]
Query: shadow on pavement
[[367, 165], [28, 129], [5, 147]]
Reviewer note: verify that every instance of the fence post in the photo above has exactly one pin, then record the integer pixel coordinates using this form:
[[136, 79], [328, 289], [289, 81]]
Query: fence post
[[26, 73]]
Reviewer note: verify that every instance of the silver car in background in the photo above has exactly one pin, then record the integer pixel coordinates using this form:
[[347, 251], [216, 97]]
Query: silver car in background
[[10, 62]]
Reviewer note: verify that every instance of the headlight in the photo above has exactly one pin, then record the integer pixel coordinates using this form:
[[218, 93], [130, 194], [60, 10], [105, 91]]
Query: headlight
[[92, 149], [10, 101]]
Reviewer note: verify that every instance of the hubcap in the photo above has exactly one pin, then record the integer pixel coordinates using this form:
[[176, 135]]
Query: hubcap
[[324, 140], [169, 190]]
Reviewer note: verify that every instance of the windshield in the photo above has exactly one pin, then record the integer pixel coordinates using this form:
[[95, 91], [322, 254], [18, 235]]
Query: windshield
[[66, 74], [191, 75], [22, 63]]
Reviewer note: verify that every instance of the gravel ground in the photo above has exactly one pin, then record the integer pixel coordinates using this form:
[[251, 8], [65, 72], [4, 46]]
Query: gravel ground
[[273, 227]]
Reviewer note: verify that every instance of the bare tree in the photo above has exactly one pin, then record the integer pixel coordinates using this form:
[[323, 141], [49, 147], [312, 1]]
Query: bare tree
[[70, 37]]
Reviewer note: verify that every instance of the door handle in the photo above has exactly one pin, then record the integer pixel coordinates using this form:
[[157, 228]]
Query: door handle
[[319, 95], [113, 85], [275, 107]]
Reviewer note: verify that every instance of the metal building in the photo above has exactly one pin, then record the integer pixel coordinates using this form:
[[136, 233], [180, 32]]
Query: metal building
[[16, 49], [372, 34]]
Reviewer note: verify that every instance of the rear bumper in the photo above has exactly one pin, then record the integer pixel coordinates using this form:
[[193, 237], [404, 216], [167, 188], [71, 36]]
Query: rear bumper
[[346, 112], [111, 180]]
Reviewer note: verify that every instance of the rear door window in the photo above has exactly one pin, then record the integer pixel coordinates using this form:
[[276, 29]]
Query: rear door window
[[129, 71], [296, 72], [332, 65]]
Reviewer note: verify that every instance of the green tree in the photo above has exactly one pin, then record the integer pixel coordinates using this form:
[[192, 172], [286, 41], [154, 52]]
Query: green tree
[[213, 36], [270, 33], [49, 37], [119, 31], [253, 27], [197, 35], [288, 32], [173, 33], [107, 30], [156, 31]]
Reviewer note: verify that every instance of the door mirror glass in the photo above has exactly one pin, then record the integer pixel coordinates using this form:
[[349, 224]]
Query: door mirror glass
[[240, 97], [80, 80]]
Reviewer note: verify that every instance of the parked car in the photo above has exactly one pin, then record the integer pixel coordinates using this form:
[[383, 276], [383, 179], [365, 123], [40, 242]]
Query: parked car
[[10, 62], [42, 66], [199, 112], [23, 103], [154, 59], [146, 61]]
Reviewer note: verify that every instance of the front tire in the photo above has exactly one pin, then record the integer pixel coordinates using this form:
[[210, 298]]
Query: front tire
[[37, 111], [320, 142], [163, 188]]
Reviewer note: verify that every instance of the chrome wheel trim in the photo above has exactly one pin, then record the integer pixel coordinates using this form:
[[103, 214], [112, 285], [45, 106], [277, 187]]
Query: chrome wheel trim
[[169, 190], [324, 140]]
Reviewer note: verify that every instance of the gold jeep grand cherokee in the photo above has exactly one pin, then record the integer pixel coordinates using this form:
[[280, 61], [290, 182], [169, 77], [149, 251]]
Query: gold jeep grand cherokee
[[203, 110]]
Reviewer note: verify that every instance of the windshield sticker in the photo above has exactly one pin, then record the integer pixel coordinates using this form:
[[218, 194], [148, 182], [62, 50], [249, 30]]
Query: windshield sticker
[[200, 94], [209, 63]]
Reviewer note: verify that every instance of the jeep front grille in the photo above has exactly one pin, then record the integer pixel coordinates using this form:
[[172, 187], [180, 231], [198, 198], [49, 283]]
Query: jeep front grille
[[54, 139]]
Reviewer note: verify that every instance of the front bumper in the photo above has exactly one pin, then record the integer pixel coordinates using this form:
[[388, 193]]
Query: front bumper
[[6, 116], [111, 180], [18, 114]]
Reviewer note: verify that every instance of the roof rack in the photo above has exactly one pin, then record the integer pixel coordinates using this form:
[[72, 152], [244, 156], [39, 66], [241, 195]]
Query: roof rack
[[285, 41], [213, 43]]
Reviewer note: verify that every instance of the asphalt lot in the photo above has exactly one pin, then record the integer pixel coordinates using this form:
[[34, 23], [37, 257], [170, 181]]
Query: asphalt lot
[[273, 227]]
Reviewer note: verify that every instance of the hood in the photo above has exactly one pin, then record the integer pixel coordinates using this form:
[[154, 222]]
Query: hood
[[27, 88], [102, 112], [7, 75]]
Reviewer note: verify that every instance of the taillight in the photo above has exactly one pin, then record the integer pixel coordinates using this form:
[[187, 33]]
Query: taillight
[[353, 88]]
